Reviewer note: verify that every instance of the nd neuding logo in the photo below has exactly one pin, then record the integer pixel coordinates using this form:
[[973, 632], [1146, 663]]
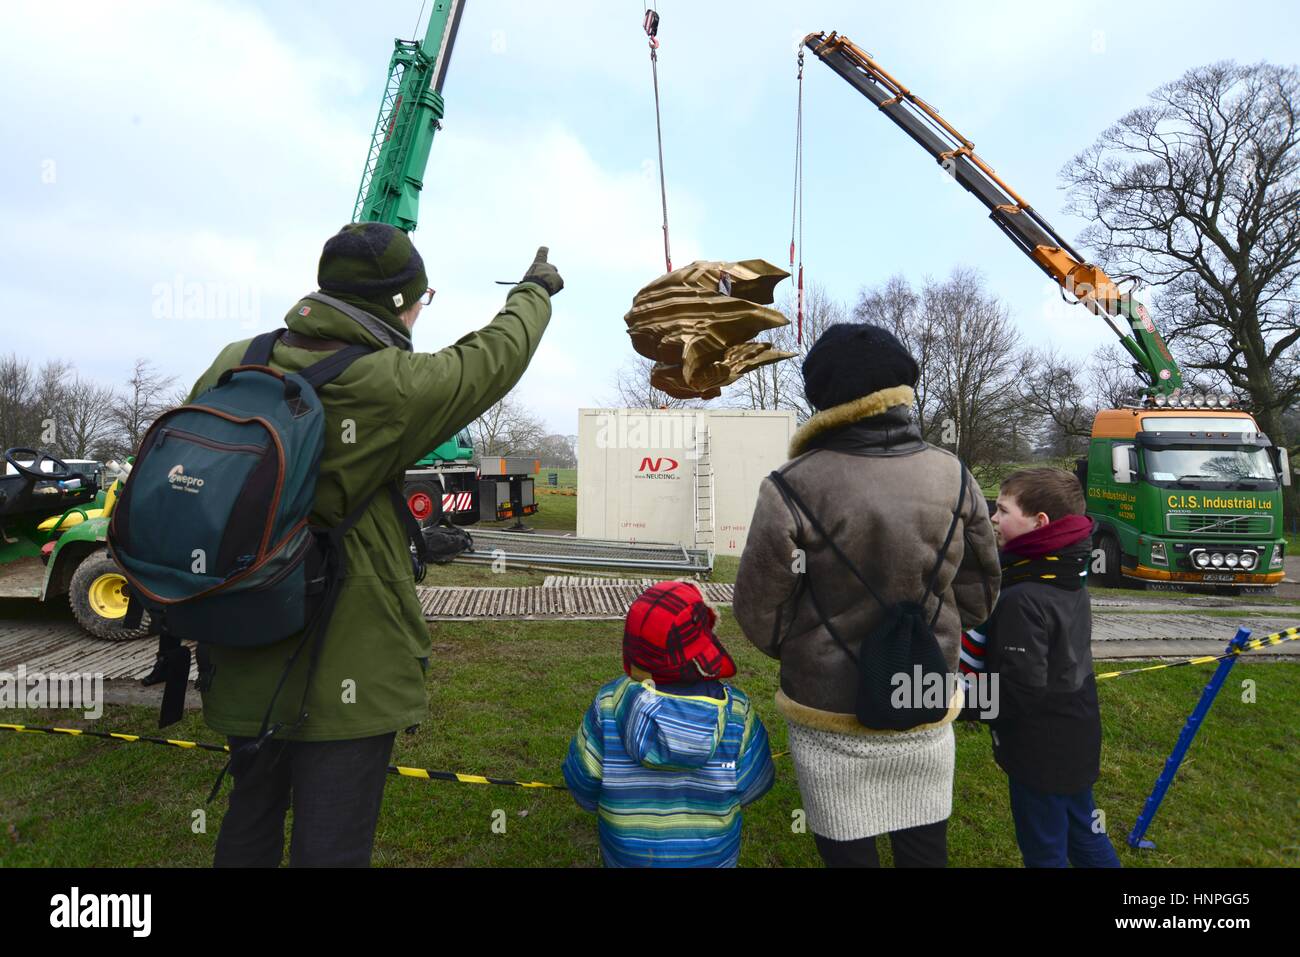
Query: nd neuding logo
[[662, 467], [181, 482]]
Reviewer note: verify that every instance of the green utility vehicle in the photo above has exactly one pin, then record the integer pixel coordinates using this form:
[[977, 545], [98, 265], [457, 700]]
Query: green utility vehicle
[[53, 522]]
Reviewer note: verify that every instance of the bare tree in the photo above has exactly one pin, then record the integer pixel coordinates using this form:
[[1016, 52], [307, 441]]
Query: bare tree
[[179, 396], [556, 451], [961, 337], [18, 424], [1199, 192], [1112, 383], [86, 420], [976, 365], [1053, 392], [50, 398], [507, 428], [144, 398], [632, 388], [779, 385], [896, 306]]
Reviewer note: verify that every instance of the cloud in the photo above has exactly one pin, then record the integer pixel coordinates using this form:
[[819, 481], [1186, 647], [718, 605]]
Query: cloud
[[201, 159]]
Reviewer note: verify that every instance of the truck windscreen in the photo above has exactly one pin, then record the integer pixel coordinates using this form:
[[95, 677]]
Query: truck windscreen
[[1211, 465]]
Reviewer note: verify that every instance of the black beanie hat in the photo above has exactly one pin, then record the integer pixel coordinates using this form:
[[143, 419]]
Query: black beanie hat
[[853, 359], [373, 266]]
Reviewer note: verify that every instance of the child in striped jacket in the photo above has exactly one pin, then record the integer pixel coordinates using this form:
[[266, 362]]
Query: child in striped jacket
[[667, 755]]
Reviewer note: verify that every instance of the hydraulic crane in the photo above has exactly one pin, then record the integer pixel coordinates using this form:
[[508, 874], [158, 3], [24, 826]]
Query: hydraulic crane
[[409, 117], [1182, 487], [1087, 283], [443, 482]]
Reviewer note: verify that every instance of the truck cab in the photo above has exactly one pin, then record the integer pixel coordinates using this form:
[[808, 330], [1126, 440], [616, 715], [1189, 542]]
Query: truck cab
[[1187, 494]]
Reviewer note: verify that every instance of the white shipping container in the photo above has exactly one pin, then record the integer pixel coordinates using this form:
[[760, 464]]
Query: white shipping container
[[688, 476]]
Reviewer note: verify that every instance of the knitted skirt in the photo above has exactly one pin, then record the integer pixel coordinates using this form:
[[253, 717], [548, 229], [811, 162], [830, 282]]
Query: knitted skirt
[[856, 786]]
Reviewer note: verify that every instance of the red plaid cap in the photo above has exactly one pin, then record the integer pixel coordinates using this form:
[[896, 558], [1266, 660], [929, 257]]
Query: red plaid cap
[[669, 635]]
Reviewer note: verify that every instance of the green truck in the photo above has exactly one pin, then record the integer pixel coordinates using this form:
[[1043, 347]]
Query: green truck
[[445, 482], [1188, 495]]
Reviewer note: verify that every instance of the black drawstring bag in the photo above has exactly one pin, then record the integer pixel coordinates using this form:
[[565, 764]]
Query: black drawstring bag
[[444, 541], [900, 643]]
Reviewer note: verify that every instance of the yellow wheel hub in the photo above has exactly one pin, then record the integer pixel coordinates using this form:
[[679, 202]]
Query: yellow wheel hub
[[106, 596]]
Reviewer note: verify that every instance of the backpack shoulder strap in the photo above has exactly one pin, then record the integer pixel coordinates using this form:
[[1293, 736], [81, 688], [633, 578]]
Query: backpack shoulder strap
[[258, 352], [318, 373], [785, 487], [791, 496], [943, 552], [333, 365]]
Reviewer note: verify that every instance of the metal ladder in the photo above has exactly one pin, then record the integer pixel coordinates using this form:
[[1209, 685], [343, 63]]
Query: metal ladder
[[704, 491]]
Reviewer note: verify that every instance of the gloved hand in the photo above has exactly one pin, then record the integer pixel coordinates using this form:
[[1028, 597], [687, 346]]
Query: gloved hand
[[543, 273]]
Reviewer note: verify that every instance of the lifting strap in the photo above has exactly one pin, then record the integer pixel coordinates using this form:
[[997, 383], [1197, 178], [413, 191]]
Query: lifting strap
[[796, 211], [651, 25]]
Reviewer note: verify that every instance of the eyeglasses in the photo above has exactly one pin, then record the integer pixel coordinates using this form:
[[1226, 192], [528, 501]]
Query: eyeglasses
[[428, 296]]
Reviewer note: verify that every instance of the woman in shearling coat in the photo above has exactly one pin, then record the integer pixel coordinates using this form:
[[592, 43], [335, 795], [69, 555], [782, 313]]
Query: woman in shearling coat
[[887, 499]]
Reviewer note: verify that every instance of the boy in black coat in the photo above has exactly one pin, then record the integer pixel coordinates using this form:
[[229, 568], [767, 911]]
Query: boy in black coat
[[1047, 732]]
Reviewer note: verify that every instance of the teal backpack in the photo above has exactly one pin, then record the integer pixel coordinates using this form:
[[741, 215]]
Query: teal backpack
[[212, 530]]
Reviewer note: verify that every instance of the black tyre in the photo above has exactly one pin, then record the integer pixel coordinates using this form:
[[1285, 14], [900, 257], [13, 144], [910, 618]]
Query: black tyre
[[1111, 576], [97, 599], [424, 499]]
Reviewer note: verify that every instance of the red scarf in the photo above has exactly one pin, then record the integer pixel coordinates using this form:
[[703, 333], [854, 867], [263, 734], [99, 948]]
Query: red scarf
[[1051, 538]]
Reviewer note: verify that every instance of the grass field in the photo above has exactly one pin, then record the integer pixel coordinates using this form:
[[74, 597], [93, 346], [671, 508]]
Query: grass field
[[565, 478], [505, 699], [554, 512]]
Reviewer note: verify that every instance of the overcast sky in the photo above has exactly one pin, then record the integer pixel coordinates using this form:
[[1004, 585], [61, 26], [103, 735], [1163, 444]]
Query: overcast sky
[[152, 146]]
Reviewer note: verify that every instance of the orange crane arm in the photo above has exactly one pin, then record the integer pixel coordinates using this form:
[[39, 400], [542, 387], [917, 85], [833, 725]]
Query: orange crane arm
[[1087, 283]]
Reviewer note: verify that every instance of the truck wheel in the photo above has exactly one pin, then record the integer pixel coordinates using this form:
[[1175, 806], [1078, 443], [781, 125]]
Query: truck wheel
[[1112, 577], [424, 499], [97, 600]]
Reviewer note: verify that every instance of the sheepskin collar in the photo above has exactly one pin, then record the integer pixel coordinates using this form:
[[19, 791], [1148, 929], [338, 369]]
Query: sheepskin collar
[[838, 416]]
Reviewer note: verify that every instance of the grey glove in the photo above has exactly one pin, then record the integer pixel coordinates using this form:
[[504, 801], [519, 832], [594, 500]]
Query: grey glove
[[543, 273]]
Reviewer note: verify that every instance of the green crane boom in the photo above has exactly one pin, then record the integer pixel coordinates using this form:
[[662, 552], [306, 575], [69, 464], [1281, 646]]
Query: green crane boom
[[409, 116], [1087, 283]]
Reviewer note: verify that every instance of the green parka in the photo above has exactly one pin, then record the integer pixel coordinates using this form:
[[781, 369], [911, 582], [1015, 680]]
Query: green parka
[[394, 405]]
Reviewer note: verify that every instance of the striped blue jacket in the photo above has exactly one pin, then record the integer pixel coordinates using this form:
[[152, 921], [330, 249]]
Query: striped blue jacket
[[667, 774]]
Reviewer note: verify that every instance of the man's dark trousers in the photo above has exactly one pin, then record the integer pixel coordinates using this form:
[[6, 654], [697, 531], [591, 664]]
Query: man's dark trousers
[[1056, 830], [336, 788]]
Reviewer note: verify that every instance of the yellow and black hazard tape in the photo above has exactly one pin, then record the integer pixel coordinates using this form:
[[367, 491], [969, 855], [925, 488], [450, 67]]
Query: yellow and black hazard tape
[[398, 770], [395, 769], [114, 735], [469, 778], [1277, 638], [1255, 644]]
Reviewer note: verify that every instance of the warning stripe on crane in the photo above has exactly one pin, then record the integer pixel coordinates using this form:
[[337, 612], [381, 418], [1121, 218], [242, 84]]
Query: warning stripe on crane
[[457, 501]]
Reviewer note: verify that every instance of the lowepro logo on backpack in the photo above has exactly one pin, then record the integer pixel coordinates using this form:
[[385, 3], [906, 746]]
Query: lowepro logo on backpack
[[181, 482]]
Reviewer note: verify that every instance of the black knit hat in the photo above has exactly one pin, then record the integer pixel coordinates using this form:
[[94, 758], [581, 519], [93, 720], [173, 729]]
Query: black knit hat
[[373, 266], [853, 359]]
